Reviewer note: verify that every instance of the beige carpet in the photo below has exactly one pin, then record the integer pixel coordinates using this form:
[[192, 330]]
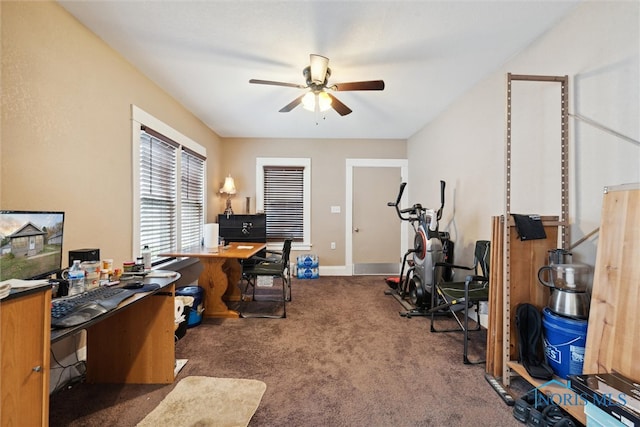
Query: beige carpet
[[206, 401]]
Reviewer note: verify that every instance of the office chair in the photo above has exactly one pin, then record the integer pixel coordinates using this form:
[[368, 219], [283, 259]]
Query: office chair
[[458, 296], [276, 266]]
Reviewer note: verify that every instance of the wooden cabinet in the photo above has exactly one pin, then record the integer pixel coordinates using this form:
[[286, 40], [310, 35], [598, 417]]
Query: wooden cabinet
[[24, 361]]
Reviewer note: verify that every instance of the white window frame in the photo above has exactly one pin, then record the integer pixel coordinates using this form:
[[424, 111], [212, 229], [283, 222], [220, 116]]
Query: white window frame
[[301, 162], [140, 118]]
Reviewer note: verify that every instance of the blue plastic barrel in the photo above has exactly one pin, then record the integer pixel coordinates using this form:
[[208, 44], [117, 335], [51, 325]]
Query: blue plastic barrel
[[564, 342]]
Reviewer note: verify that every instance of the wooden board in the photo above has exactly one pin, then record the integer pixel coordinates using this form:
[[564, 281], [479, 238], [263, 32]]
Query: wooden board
[[135, 345], [613, 334], [496, 301], [526, 258]]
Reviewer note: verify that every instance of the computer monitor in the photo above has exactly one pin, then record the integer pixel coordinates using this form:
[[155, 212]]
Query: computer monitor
[[30, 244]]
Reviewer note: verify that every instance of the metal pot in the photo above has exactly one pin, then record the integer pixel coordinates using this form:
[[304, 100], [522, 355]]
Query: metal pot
[[569, 295]]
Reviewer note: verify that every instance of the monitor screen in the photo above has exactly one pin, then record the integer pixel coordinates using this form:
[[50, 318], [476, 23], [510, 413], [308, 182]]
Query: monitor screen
[[31, 244]]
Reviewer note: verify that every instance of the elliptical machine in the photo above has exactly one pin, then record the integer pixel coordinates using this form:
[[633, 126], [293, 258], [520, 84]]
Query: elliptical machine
[[413, 290]]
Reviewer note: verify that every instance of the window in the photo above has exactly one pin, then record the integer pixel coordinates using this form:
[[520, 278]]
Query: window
[[283, 194], [169, 189]]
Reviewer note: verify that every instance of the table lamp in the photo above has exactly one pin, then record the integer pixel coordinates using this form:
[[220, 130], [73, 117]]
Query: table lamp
[[228, 188]]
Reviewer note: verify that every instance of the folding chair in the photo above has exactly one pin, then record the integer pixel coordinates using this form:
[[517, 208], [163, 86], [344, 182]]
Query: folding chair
[[457, 296], [275, 267]]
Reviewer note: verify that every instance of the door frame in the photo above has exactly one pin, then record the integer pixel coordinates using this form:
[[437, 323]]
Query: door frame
[[403, 164]]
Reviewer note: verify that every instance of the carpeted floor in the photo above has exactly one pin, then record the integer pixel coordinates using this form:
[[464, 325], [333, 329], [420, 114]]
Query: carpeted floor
[[342, 357]]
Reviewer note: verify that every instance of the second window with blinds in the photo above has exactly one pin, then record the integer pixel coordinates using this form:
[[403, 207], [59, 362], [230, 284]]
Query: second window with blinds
[[283, 194]]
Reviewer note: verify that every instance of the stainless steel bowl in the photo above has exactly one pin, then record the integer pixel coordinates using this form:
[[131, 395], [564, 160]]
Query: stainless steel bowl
[[570, 304]]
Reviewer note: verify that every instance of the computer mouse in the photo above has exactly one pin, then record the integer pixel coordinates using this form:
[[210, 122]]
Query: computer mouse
[[136, 284]]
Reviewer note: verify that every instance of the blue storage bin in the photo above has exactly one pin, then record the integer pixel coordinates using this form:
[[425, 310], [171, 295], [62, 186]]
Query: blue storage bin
[[195, 314]]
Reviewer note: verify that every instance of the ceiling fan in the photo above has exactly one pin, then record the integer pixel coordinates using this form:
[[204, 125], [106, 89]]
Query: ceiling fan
[[318, 97]]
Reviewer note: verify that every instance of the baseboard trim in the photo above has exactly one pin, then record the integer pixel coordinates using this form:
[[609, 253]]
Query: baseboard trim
[[335, 270]]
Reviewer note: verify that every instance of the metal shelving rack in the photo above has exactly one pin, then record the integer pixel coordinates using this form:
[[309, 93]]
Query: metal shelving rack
[[562, 223]]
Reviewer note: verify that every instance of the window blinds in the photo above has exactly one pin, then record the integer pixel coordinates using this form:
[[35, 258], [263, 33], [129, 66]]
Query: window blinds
[[192, 197], [158, 207], [171, 211], [284, 202]]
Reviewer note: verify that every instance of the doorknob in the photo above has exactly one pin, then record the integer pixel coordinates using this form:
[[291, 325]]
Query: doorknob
[[356, 230]]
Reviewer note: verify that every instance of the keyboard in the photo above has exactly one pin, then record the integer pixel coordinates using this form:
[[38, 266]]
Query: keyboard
[[78, 309]]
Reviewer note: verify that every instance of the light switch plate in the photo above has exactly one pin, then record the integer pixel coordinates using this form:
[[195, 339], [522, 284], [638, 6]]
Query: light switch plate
[[335, 209]]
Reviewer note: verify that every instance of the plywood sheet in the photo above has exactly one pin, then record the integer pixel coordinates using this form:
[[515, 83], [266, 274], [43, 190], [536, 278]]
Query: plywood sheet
[[526, 258], [613, 334]]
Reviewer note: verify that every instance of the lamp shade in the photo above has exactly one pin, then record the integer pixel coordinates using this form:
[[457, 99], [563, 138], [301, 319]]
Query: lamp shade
[[229, 186], [318, 65], [324, 101], [312, 101], [309, 101]]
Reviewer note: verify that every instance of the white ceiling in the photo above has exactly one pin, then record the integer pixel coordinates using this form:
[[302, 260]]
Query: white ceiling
[[429, 53]]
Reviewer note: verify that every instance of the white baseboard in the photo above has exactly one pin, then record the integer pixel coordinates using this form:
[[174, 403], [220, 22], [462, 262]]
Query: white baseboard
[[335, 270]]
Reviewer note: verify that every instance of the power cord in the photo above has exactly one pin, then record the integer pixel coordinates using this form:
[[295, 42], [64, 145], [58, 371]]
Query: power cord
[[79, 365]]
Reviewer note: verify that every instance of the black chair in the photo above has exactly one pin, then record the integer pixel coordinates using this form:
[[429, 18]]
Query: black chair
[[275, 265], [457, 297]]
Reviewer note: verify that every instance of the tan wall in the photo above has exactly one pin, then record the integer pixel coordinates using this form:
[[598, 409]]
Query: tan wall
[[66, 137], [598, 47], [66, 126], [328, 167]]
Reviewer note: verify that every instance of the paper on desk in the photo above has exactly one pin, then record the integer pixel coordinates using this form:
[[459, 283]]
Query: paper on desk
[[5, 290], [19, 283], [244, 247]]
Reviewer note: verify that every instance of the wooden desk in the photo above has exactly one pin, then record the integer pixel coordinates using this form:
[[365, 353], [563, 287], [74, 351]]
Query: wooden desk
[[221, 274], [133, 344]]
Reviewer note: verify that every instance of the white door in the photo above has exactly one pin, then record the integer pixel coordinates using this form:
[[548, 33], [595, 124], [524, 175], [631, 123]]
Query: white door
[[375, 230]]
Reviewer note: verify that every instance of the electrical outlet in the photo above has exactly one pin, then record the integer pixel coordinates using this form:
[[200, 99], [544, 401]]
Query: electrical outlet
[[333, 245], [335, 209]]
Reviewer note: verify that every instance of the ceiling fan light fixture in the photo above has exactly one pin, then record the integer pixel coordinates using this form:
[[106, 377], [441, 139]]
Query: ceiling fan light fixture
[[309, 101], [320, 101], [319, 65], [324, 101]]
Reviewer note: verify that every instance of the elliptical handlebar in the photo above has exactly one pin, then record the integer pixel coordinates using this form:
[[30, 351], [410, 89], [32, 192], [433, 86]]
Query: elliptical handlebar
[[439, 212], [416, 212]]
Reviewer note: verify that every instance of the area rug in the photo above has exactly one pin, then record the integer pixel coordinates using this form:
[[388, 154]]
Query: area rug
[[206, 401]]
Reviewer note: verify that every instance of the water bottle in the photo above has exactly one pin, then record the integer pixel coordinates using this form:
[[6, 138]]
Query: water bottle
[[76, 278], [146, 257]]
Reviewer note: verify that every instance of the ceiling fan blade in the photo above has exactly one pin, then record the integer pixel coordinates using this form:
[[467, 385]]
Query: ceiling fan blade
[[368, 85], [337, 105], [318, 65], [272, 83], [293, 104]]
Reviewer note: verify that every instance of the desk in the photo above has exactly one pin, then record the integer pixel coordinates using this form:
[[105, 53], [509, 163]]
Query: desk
[[221, 274], [133, 343]]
